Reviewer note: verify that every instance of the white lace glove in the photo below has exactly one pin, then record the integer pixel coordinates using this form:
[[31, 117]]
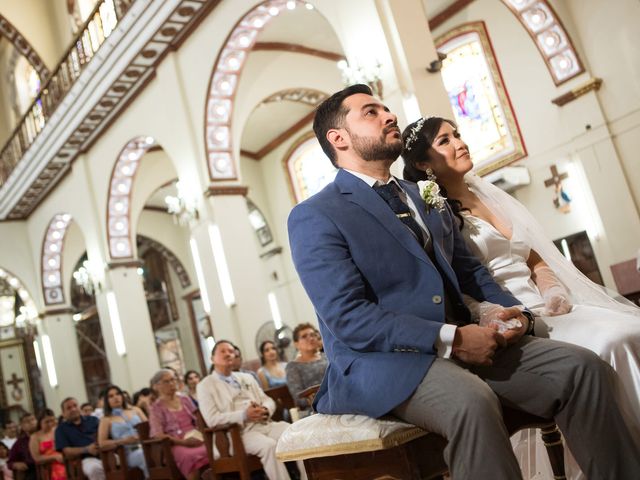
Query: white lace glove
[[486, 314], [556, 297]]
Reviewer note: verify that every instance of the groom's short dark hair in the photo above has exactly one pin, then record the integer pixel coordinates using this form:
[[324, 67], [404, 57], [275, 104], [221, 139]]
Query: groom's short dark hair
[[331, 114]]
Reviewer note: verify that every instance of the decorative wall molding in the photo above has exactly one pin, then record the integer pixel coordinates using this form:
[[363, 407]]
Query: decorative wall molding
[[592, 85], [297, 48], [51, 259], [447, 13], [551, 38], [119, 71], [23, 46], [215, 190], [307, 96]]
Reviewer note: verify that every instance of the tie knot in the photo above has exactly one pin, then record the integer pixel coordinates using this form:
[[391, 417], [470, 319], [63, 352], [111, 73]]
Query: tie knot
[[388, 190]]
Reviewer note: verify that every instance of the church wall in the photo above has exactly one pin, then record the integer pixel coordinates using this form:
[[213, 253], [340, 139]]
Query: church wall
[[16, 257]]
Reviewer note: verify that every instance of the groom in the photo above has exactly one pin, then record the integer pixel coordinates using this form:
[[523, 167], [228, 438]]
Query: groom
[[386, 274]]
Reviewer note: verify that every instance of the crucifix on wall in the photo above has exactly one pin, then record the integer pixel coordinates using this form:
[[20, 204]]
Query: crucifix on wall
[[17, 393], [561, 200]]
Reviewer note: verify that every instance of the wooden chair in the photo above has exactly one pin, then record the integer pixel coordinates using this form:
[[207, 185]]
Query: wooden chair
[[114, 461], [73, 464], [158, 455], [232, 456], [422, 458], [43, 469], [284, 402]]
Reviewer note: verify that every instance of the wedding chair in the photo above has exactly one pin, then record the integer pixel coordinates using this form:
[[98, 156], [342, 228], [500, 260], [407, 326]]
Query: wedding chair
[[360, 447], [229, 449], [158, 456]]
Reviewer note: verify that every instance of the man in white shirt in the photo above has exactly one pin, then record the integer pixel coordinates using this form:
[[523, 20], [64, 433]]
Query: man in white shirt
[[10, 434], [226, 396]]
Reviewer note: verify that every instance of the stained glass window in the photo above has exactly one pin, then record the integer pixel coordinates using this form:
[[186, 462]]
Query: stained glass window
[[309, 168], [478, 98]]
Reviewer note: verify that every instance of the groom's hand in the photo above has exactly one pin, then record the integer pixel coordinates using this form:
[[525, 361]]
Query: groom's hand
[[477, 345], [513, 335]]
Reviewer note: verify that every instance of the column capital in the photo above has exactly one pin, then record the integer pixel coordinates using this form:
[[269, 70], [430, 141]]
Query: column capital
[[135, 263], [49, 312]]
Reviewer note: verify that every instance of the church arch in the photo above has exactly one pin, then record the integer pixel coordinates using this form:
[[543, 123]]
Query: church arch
[[51, 259], [552, 40], [224, 83], [119, 199], [170, 258]]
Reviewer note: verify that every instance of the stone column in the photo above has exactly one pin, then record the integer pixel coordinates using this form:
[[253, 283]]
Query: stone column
[[129, 342], [58, 324]]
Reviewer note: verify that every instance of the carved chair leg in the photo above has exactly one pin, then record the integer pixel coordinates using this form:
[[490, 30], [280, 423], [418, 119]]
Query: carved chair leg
[[552, 439]]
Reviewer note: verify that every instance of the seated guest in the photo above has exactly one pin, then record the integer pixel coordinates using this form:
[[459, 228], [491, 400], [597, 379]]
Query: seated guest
[[99, 410], [271, 374], [143, 399], [20, 459], [42, 447], [308, 368], [117, 427], [172, 417], [77, 436], [226, 396], [191, 380], [10, 434], [5, 473], [237, 364], [86, 409]]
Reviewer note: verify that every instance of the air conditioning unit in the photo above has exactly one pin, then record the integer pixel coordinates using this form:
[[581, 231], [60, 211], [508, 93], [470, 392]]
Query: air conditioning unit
[[510, 178]]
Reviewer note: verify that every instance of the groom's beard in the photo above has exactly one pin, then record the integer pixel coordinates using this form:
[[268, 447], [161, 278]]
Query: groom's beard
[[372, 149]]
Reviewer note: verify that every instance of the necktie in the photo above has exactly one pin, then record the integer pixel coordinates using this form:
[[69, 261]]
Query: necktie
[[391, 194], [456, 314]]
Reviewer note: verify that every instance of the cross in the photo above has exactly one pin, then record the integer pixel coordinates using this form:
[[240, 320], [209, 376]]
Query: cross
[[556, 179], [15, 381]]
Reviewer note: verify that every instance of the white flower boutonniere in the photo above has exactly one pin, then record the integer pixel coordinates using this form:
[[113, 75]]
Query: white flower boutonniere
[[430, 193]]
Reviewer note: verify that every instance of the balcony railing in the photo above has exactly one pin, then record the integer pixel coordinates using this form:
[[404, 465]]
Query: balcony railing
[[95, 31]]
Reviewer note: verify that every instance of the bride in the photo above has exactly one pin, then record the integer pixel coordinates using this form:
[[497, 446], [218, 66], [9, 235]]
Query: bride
[[511, 244]]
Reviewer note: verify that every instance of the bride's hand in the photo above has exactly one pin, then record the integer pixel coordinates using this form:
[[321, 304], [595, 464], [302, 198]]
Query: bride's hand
[[556, 304]]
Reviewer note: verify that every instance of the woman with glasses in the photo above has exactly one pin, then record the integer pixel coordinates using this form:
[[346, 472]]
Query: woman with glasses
[[172, 417], [309, 366]]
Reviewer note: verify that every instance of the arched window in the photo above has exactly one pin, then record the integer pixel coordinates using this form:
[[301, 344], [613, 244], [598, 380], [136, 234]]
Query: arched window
[[308, 168], [478, 98]]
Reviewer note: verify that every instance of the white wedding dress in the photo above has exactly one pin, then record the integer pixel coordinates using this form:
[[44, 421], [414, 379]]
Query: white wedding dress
[[613, 335]]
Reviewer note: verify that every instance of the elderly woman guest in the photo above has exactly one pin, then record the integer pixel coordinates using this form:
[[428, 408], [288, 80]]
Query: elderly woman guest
[[309, 366], [272, 372], [172, 417], [117, 427], [42, 445], [191, 380]]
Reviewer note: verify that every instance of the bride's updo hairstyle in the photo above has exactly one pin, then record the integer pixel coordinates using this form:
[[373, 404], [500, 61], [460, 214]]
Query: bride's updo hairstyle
[[418, 138]]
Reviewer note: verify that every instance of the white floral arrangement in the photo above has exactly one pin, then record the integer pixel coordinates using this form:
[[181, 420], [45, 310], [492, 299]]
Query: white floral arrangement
[[430, 193]]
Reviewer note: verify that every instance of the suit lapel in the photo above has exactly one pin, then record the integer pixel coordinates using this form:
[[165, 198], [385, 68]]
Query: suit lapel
[[358, 192]]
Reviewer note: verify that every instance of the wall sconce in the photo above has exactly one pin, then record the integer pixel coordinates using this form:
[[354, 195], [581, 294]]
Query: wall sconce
[[369, 75], [183, 207], [436, 65]]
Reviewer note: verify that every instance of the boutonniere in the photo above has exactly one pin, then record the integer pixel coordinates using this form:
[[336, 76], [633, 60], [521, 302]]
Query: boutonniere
[[430, 193]]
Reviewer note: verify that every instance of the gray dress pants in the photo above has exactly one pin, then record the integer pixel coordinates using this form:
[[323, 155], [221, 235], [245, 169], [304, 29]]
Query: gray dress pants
[[543, 377]]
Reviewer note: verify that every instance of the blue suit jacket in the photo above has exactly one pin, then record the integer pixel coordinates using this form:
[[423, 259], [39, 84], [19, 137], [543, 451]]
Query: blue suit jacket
[[373, 289]]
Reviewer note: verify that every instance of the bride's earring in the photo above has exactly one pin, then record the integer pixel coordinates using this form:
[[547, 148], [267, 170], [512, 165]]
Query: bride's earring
[[430, 175]]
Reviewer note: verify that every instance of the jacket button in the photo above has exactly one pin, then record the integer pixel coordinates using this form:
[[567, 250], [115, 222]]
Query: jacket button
[[436, 299]]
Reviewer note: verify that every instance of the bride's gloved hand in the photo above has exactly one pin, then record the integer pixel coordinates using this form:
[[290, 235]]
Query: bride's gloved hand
[[556, 297], [486, 314]]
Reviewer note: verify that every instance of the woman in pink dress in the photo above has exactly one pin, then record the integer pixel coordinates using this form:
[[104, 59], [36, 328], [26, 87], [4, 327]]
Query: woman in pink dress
[[42, 446], [171, 416]]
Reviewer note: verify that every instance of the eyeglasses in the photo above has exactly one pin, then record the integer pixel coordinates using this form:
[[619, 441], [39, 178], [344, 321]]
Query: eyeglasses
[[309, 335], [168, 381]]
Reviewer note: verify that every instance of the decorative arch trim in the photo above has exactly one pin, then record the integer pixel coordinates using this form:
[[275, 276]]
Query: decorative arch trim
[[171, 259], [24, 47], [51, 259], [119, 200], [17, 284], [224, 82], [551, 38]]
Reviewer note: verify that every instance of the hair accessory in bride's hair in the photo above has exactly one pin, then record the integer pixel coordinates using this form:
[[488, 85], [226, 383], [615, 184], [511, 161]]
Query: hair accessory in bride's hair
[[413, 134]]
